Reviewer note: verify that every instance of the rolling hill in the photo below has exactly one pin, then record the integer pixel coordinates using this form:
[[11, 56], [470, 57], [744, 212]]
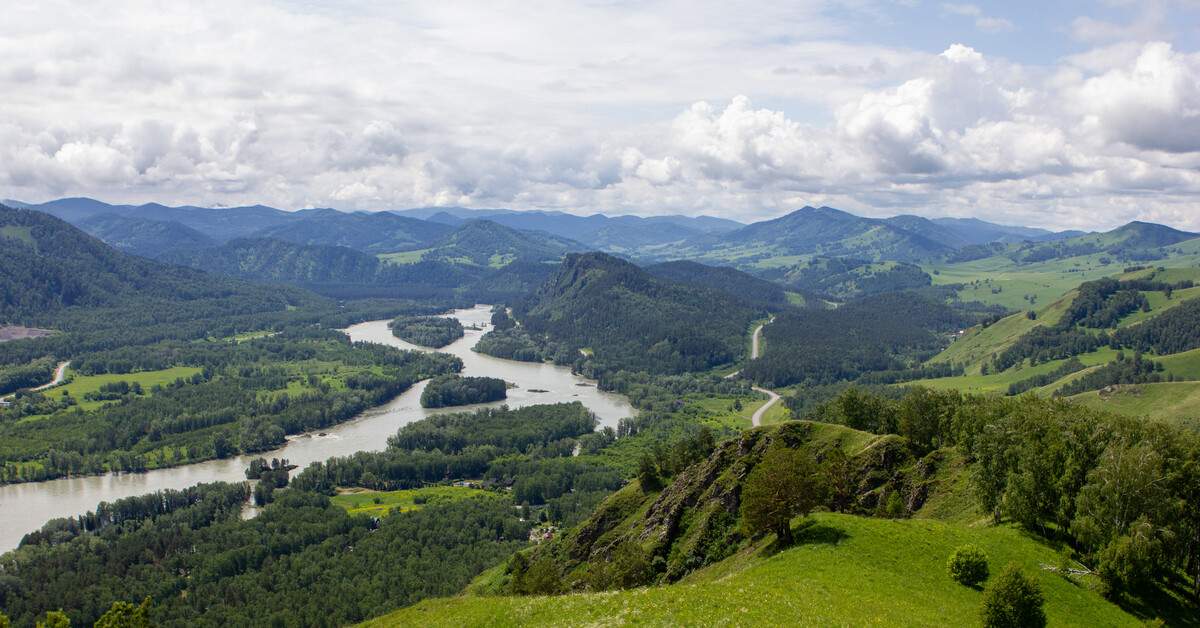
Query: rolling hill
[[724, 278], [629, 319], [485, 243], [48, 267], [818, 231], [144, 237], [380, 232]]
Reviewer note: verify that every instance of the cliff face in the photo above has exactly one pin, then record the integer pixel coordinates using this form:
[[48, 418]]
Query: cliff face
[[637, 538]]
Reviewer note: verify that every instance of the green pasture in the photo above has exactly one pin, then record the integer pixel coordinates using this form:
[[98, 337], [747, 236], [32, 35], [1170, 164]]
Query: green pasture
[[380, 503]]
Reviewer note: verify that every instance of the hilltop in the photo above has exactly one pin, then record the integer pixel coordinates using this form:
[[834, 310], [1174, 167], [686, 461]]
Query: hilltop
[[629, 319]]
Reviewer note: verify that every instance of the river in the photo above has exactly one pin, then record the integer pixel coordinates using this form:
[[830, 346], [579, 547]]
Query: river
[[25, 507]]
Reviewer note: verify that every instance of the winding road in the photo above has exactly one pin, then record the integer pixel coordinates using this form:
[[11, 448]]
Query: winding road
[[59, 375], [754, 339], [756, 420]]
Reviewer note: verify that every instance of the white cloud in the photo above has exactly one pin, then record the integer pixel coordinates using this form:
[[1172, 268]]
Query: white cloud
[[1153, 102], [994, 25]]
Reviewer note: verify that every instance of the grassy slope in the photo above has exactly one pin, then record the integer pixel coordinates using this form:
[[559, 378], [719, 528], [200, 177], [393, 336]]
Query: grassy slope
[[1176, 403], [1044, 281], [978, 344], [845, 570]]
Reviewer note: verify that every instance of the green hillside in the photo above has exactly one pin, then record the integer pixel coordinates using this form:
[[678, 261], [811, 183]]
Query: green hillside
[[847, 278], [1177, 403], [485, 243], [632, 320], [380, 232], [721, 277], [845, 571], [274, 260], [144, 237], [816, 231], [1025, 275], [51, 273], [687, 554]]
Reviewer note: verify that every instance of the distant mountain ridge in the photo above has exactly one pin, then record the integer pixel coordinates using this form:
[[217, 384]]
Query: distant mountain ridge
[[802, 235], [48, 266], [824, 231]]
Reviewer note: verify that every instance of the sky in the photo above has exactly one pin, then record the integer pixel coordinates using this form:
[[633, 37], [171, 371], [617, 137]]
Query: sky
[[1071, 114]]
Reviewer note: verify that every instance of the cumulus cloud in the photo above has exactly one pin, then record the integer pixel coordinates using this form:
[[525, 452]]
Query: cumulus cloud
[[1153, 102]]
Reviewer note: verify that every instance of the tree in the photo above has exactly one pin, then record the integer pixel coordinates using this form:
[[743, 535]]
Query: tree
[[55, 619], [842, 482], [126, 615], [785, 483], [968, 566], [1013, 600], [647, 474]]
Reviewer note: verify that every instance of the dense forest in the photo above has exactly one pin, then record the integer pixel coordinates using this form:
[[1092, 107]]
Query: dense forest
[[885, 333], [301, 561], [631, 320], [454, 390], [848, 278], [724, 278], [427, 331]]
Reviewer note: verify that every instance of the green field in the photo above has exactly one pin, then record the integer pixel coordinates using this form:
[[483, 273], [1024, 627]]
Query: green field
[[844, 571], [1175, 402], [1001, 281], [998, 382], [380, 503], [979, 343], [405, 257], [80, 385], [23, 234]]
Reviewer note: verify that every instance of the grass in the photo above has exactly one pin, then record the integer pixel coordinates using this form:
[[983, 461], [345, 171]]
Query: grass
[[404, 257], [796, 299], [363, 501], [976, 346], [1182, 365], [82, 384], [1173, 402], [23, 234], [1159, 303], [721, 407], [844, 571], [998, 382]]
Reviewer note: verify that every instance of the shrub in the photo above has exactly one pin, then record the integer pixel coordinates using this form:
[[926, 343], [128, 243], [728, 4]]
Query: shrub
[[968, 566], [1013, 600]]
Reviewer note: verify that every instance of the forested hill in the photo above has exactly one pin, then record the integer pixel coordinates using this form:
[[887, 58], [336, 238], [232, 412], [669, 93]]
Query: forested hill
[[826, 231], [144, 237], [274, 260], [48, 266], [486, 243], [633, 320], [721, 277], [381, 232]]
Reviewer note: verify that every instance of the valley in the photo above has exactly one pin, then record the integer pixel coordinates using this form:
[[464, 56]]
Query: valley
[[932, 383]]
